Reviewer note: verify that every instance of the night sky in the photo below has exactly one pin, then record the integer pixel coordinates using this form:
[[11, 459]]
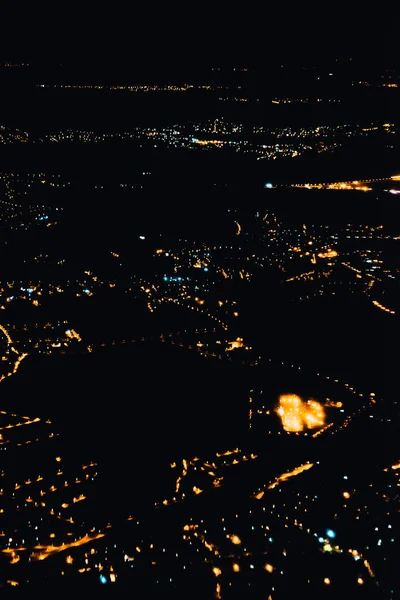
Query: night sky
[[197, 36]]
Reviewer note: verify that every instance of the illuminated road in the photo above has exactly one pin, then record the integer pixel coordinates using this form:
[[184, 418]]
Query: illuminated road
[[11, 351], [363, 185]]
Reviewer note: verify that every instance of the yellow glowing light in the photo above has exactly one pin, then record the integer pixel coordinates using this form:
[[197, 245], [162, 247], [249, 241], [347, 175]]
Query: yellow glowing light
[[327, 580], [238, 343], [235, 567], [235, 539], [47, 551], [72, 334], [217, 143], [328, 254], [346, 495], [297, 414], [79, 498], [284, 476], [382, 307], [368, 567], [269, 568], [360, 580], [217, 571]]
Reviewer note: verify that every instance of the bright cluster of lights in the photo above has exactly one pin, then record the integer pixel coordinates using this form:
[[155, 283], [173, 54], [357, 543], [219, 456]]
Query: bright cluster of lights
[[298, 415]]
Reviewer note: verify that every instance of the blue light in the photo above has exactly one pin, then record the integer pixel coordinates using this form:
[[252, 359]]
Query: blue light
[[330, 533], [195, 140], [86, 291], [29, 290], [103, 579], [68, 331], [165, 278], [321, 540], [206, 268], [268, 185]]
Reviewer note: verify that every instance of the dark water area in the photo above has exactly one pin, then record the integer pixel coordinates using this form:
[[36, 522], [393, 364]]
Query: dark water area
[[333, 207], [133, 412], [207, 213], [345, 337], [125, 162]]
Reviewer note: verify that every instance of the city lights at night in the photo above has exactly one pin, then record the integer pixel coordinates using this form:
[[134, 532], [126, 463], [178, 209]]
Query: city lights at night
[[199, 306]]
